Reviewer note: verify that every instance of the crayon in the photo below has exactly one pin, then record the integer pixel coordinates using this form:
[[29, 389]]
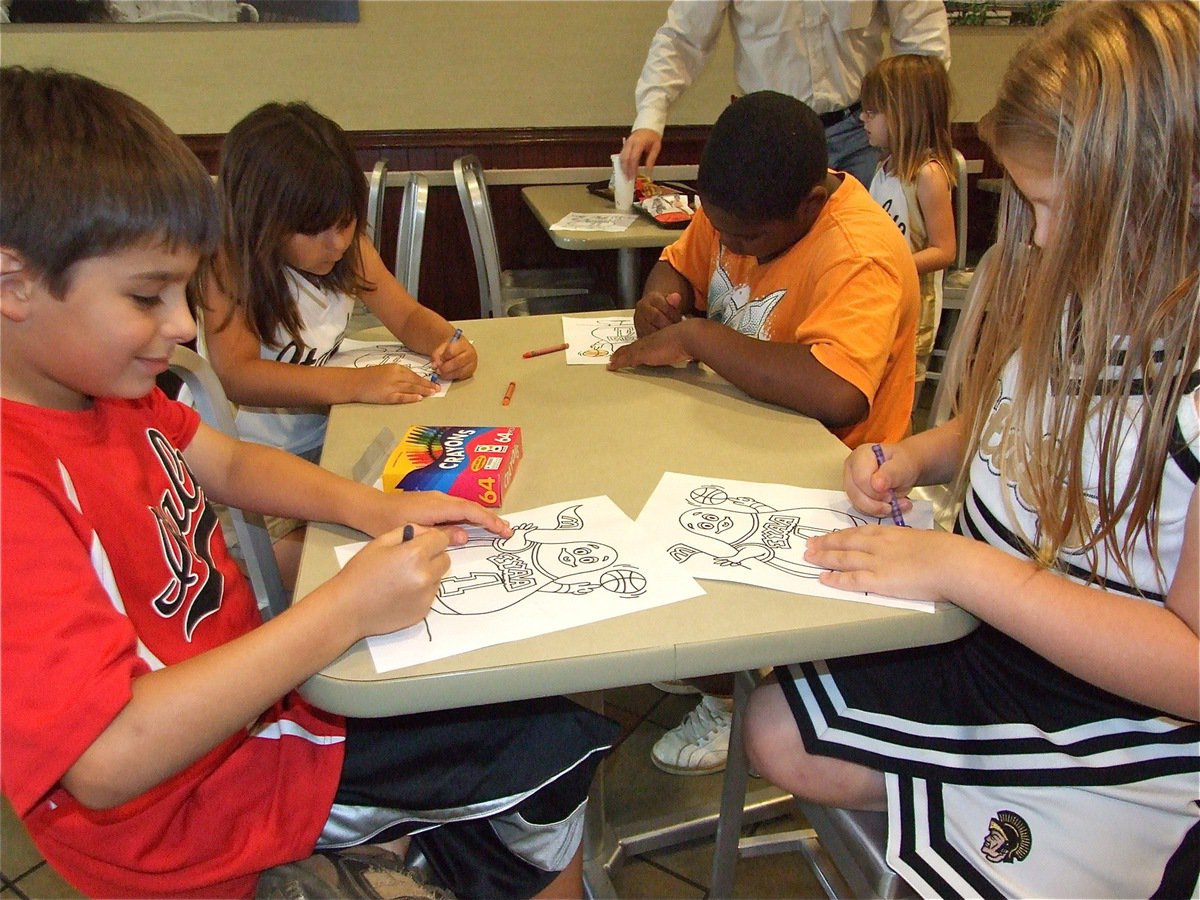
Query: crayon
[[896, 517], [512, 386], [530, 354]]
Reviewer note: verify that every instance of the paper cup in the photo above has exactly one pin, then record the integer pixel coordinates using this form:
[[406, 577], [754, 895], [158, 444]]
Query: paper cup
[[622, 186]]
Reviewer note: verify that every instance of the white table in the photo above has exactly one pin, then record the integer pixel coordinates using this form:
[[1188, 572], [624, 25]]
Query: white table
[[550, 202], [587, 432]]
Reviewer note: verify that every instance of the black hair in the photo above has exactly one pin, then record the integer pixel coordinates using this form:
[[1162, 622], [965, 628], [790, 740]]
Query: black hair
[[86, 170], [764, 155]]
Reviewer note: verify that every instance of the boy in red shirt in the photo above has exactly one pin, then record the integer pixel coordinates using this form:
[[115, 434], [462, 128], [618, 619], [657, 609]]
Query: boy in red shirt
[[153, 743]]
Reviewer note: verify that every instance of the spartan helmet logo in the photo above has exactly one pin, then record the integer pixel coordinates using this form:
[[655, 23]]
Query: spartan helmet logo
[[1008, 838]]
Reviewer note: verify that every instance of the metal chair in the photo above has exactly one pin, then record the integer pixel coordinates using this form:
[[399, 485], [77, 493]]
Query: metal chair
[[376, 186], [514, 292], [410, 235], [254, 542], [845, 848]]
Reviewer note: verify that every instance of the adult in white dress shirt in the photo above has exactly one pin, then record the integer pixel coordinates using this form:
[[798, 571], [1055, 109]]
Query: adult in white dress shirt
[[816, 50]]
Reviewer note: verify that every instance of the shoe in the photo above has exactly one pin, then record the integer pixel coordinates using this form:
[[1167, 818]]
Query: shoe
[[677, 686], [700, 744], [364, 872]]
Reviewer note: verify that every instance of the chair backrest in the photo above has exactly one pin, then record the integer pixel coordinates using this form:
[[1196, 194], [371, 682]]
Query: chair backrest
[[253, 540], [477, 209], [376, 185], [411, 233], [960, 210], [939, 407]]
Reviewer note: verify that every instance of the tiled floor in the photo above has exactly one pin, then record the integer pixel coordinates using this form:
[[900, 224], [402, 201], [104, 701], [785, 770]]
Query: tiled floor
[[635, 791]]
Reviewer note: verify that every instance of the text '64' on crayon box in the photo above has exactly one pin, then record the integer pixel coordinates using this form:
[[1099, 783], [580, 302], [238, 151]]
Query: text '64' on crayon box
[[476, 463]]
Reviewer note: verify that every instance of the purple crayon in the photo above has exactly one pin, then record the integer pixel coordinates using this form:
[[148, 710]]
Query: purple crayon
[[896, 517]]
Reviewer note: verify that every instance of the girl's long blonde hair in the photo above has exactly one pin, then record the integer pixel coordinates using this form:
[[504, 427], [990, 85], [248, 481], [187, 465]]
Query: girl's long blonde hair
[[1109, 97], [914, 93]]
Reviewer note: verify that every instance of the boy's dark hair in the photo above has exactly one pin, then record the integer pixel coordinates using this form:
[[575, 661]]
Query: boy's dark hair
[[285, 169], [86, 170], [763, 156]]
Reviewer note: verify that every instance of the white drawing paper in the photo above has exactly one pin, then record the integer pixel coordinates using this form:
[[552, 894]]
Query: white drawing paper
[[576, 221], [756, 533], [565, 565], [354, 354], [592, 341]]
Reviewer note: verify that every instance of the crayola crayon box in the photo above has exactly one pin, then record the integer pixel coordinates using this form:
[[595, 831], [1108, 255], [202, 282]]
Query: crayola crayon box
[[473, 462]]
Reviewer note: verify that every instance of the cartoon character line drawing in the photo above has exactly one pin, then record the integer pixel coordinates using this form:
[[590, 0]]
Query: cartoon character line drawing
[[392, 354], [734, 531], [609, 337], [535, 561], [731, 305]]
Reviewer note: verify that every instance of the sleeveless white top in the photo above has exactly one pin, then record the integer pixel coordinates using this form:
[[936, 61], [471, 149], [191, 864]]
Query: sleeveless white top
[[325, 316], [899, 200]]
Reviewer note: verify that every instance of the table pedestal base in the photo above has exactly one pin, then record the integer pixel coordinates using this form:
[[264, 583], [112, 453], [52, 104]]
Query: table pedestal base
[[612, 846]]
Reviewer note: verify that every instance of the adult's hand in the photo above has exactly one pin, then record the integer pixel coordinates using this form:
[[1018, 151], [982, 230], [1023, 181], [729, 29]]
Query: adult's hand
[[642, 144]]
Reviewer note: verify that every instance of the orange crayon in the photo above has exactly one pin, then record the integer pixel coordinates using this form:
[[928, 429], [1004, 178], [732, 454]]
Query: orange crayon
[[529, 354], [512, 386]]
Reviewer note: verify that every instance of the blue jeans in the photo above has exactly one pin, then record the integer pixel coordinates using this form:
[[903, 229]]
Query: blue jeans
[[849, 150]]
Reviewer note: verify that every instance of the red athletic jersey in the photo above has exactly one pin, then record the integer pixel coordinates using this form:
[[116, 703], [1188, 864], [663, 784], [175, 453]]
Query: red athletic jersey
[[114, 565]]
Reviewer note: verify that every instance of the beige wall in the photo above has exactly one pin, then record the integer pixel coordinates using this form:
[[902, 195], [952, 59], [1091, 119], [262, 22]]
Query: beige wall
[[415, 64]]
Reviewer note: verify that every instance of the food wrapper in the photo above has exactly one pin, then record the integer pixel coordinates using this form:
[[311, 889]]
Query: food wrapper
[[667, 210]]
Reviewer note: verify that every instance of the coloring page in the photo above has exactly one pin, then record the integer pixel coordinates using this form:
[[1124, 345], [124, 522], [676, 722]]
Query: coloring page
[[565, 565], [756, 533], [613, 221], [592, 341], [360, 354]]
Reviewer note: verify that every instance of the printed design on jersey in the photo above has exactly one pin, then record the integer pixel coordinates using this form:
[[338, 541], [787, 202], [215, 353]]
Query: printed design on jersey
[[186, 523]]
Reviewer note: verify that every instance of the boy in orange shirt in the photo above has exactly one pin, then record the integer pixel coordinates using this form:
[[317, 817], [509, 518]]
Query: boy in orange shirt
[[793, 284]]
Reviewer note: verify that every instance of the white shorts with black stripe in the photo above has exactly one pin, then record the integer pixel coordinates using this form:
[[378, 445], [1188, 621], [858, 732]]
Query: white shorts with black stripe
[[1007, 776]]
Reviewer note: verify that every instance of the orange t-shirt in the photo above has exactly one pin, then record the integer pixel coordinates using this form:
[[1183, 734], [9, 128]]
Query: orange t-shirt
[[848, 289]]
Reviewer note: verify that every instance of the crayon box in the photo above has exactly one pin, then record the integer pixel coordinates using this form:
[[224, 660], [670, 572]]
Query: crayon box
[[473, 462]]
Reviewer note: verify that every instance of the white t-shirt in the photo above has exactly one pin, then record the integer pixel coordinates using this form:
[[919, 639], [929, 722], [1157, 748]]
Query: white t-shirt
[[325, 316]]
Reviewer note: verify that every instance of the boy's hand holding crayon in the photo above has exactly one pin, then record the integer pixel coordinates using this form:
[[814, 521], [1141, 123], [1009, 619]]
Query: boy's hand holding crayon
[[393, 580]]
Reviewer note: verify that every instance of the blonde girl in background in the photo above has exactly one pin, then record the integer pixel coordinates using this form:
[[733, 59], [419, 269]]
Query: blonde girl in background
[[1053, 752], [906, 114], [279, 295]]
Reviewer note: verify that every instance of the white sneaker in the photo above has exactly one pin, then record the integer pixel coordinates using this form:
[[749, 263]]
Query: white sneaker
[[700, 744]]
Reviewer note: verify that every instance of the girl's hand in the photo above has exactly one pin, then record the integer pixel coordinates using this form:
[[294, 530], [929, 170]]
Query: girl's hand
[[391, 583], [869, 485], [454, 360], [884, 559], [391, 384]]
